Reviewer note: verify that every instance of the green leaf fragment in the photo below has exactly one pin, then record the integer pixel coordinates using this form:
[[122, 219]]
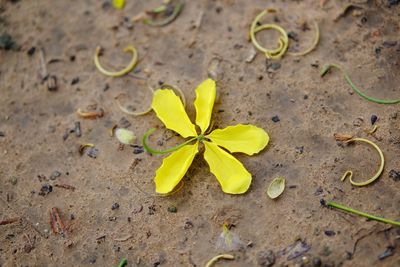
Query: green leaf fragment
[[276, 187], [125, 136]]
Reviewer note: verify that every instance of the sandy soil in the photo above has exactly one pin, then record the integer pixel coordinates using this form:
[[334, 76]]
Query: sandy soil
[[33, 121]]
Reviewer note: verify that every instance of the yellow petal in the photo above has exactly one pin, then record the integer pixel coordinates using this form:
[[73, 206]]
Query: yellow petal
[[205, 97], [170, 111], [174, 168], [118, 4], [248, 139], [231, 174]]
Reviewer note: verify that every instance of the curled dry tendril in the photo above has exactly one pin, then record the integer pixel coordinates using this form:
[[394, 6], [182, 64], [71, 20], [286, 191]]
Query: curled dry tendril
[[122, 72], [349, 173]]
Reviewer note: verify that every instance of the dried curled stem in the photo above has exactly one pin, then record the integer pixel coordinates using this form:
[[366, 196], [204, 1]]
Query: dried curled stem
[[122, 72]]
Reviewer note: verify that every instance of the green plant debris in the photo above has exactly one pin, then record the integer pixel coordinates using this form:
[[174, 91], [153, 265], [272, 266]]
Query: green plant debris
[[276, 187], [327, 67], [125, 136], [360, 213]]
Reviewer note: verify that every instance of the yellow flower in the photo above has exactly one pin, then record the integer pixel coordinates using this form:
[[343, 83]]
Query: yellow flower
[[230, 173]]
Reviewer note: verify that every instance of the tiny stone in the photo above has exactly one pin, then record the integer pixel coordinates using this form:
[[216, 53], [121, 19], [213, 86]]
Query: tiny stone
[[2, 134], [395, 175], [292, 35], [31, 51], [75, 81], [92, 152], [374, 118], [305, 97], [115, 206], [72, 217], [275, 66], [316, 262], [172, 209], [266, 258], [54, 175], [275, 118], [137, 149], [329, 233], [45, 190], [52, 83], [106, 87]]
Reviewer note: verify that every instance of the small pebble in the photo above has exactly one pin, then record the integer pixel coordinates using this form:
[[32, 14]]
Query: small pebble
[[292, 35], [31, 51], [2, 134], [92, 152], [395, 175], [275, 118], [266, 258], [317, 262], [374, 118], [55, 175], [330, 233], [172, 209], [137, 149], [75, 81], [115, 206]]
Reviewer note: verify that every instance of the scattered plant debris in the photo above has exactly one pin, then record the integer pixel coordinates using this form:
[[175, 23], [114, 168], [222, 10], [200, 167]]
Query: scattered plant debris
[[350, 173], [327, 67], [122, 72], [360, 213], [216, 258], [125, 136], [395, 175], [90, 114], [45, 190], [276, 187], [169, 12]]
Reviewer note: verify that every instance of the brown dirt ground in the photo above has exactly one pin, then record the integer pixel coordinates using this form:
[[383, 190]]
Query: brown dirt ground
[[311, 109]]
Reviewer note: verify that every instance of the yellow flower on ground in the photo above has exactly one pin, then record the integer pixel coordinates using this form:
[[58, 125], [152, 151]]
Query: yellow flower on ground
[[230, 173]]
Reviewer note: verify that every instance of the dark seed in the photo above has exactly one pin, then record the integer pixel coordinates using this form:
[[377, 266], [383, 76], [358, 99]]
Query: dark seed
[[322, 202], [31, 51], [115, 206], [275, 118], [330, 233], [316, 262], [374, 118], [364, 20], [75, 81]]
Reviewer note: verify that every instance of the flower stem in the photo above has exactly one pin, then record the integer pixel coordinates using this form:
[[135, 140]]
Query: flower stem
[[160, 152], [360, 213], [327, 67]]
